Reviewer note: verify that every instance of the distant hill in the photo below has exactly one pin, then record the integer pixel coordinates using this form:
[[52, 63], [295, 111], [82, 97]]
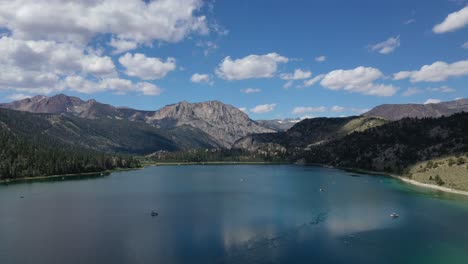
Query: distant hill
[[105, 135], [395, 112], [395, 146], [214, 123], [278, 124], [308, 132]]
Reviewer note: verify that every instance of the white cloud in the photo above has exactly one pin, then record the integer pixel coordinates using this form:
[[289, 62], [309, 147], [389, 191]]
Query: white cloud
[[409, 21], [148, 88], [117, 85], [321, 58], [308, 109], [40, 66], [96, 65], [298, 74], [261, 109], [453, 21], [436, 72], [465, 45], [200, 78], [432, 101], [244, 109], [442, 89], [146, 68], [412, 91], [310, 82], [337, 108], [16, 97], [288, 84], [252, 66], [52, 57], [79, 21], [250, 90], [122, 45], [359, 80], [387, 46]]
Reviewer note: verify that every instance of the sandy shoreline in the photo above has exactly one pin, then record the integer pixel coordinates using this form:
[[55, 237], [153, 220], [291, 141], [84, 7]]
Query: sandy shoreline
[[406, 180]]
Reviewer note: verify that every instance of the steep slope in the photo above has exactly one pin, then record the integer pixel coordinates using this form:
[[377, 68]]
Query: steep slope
[[395, 112], [102, 135], [212, 124], [224, 123], [395, 146], [308, 132]]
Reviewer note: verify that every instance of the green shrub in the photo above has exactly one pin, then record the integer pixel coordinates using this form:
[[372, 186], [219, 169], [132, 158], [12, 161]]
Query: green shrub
[[438, 180]]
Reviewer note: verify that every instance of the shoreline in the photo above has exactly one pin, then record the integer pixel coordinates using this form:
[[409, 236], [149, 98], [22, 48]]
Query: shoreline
[[213, 163], [406, 180], [108, 172], [69, 176]]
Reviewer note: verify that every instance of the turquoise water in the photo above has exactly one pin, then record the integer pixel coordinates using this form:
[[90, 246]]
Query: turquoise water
[[231, 214]]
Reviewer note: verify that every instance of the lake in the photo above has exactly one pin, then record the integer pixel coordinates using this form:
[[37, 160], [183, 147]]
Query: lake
[[231, 214]]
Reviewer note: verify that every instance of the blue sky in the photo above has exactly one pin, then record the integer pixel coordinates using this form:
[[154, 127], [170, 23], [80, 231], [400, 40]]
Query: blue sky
[[256, 55]]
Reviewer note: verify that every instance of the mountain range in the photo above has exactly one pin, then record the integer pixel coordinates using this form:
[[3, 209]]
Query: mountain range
[[185, 125], [206, 124], [43, 130]]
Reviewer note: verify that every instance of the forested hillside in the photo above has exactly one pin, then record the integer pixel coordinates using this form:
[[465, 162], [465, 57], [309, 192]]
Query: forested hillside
[[395, 146], [22, 156]]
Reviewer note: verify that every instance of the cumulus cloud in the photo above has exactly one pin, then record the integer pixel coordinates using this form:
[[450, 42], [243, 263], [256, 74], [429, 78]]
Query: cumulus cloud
[[308, 109], [298, 74], [117, 85], [387, 46], [264, 108], [321, 58], [252, 66], [40, 66], [453, 21], [432, 101], [412, 91], [122, 45], [79, 21], [436, 72], [146, 68], [359, 80], [250, 90], [311, 82], [200, 78]]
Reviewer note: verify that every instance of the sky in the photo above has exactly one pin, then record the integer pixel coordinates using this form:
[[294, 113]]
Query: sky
[[270, 58]]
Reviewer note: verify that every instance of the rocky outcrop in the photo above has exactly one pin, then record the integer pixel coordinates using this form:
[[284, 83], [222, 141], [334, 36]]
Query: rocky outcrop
[[215, 123], [224, 123]]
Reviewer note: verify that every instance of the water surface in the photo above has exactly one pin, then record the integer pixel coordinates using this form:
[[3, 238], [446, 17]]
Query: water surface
[[231, 214]]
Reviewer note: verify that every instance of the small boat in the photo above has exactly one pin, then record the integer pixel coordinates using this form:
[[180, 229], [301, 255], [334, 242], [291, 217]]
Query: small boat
[[394, 215], [153, 213], [322, 190]]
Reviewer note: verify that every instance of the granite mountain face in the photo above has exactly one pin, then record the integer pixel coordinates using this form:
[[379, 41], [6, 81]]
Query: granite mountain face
[[216, 123]]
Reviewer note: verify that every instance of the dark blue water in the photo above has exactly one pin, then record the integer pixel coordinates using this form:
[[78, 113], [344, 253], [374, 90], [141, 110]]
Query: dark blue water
[[231, 214]]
